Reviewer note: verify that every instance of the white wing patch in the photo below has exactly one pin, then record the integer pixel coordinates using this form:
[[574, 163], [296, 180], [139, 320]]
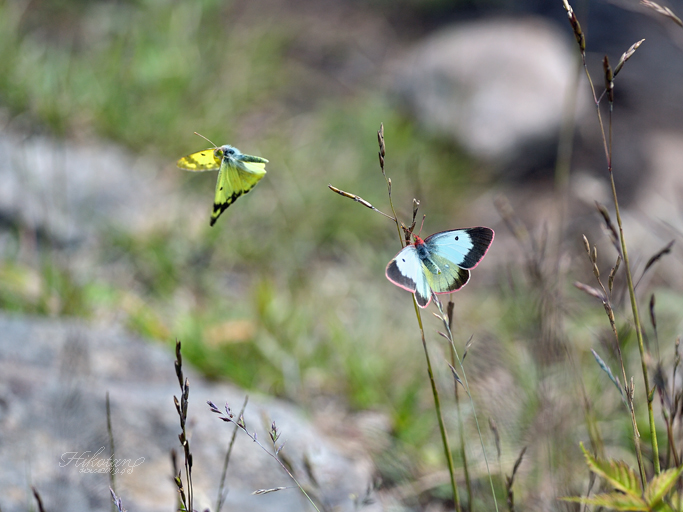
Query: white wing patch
[[405, 270]]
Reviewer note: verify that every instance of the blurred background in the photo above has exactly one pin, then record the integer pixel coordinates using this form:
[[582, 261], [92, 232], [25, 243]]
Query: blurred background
[[286, 294]]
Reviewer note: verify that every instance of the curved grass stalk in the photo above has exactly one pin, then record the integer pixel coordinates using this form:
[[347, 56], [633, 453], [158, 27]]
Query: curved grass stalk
[[435, 391], [607, 145]]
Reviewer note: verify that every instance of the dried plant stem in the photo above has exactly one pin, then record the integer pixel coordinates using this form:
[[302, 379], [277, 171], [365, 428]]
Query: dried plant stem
[[629, 395], [221, 489], [229, 417], [604, 296], [39, 501], [461, 428], [670, 436], [632, 295], [382, 154], [181, 408]]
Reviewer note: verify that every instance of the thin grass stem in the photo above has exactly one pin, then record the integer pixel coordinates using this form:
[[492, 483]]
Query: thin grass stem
[[607, 304], [382, 154], [631, 291], [110, 434], [439, 415], [463, 452], [467, 390], [229, 417], [435, 391], [461, 429], [221, 488], [639, 333]]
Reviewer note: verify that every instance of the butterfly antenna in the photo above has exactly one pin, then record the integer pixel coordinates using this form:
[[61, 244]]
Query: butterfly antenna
[[206, 139], [422, 224]]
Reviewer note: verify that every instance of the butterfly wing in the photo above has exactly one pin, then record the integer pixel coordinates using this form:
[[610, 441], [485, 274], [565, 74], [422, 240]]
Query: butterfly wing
[[406, 271], [206, 160], [444, 266], [236, 177], [463, 247]]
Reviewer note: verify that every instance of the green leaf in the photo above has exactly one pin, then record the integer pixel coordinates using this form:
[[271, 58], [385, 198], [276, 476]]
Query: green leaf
[[612, 500], [660, 485], [663, 507], [616, 472]]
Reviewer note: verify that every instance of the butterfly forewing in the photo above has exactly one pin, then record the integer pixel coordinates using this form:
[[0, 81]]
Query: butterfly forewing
[[405, 269], [206, 160], [464, 247]]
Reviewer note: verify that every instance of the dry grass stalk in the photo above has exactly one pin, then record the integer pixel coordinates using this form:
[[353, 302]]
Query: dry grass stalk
[[181, 405], [510, 480], [603, 296], [664, 11], [607, 144], [274, 434]]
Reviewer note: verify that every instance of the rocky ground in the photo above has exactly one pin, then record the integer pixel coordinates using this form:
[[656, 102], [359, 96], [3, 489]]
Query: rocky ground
[[56, 376]]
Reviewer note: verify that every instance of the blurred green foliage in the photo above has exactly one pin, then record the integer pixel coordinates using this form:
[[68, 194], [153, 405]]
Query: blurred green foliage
[[125, 69], [147, 74]]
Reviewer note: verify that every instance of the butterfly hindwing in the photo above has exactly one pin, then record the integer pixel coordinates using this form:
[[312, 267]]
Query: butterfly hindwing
[[423, 293], [464, 247], [448, 278], [237, 176]]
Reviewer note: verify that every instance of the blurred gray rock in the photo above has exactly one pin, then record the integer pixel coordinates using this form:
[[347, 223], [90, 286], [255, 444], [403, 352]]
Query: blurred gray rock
[[496, 87], [56, 374], [68, 191]]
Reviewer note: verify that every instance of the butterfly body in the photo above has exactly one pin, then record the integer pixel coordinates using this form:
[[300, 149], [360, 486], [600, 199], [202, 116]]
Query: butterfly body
[[440, 263], [237, 173]]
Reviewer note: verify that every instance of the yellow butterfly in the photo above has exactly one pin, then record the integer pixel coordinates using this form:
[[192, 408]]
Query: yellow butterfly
[[237, 173]]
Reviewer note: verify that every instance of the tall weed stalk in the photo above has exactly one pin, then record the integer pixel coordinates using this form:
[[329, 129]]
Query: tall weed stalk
[[606, 134]]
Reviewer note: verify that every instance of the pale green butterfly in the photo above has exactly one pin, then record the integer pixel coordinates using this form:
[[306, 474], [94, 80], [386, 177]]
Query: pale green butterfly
[[440, 263]]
